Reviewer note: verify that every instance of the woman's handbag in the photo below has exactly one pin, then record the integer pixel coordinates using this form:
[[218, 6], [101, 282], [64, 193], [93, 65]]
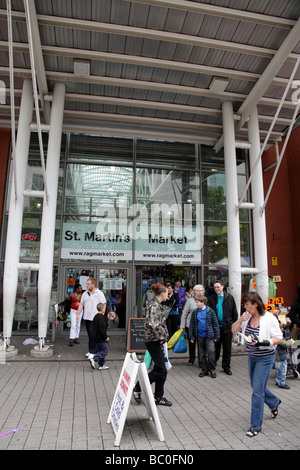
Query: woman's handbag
[[63, 309], [61, 312], [167, 311]]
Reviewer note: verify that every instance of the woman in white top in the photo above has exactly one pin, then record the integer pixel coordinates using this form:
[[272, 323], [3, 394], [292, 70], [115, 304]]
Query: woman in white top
[[262, 333]]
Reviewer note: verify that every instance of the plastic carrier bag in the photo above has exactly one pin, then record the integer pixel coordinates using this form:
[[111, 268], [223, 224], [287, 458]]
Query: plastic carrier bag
[[147, 359], [167, 362], [180, 346], [173, 340]]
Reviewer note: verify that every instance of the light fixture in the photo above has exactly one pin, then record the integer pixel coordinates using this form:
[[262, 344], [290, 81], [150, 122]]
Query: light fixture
[[82, 67], [218, 84]]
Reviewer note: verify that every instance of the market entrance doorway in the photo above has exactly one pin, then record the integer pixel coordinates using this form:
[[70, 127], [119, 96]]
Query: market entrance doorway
[[114, 281], [189, 276]]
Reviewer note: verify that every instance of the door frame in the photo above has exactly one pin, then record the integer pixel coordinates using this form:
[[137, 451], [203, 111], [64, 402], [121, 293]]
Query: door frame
[[130, 281]]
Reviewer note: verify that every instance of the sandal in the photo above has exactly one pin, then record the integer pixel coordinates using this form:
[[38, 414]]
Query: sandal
[[274, 412], [253, 432]]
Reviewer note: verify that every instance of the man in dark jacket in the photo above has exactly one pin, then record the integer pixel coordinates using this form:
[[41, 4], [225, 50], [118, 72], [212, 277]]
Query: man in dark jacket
[[294, 316], [224, 306]]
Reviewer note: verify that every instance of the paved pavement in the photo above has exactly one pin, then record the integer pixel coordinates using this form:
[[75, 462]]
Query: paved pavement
[[60, 403]]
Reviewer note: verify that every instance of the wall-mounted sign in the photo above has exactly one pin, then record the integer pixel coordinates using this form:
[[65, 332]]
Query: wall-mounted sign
[[139, 235]]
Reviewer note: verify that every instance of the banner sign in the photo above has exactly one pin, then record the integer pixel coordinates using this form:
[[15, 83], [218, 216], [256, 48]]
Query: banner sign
[[170, 234], [83, 241]]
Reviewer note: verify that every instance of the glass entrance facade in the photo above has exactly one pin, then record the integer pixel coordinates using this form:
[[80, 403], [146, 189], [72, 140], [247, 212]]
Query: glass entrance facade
[[156, 207]]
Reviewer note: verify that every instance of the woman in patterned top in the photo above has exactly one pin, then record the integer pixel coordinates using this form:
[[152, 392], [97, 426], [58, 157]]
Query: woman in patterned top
[[262, 333], [156, 334]]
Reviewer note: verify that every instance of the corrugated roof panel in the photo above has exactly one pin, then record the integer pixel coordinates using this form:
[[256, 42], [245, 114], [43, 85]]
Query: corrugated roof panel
[[133, 46], [159, 75], [138, 14], [188, 79], [174, 20], [210, 26], [156, 18], [150, 48], [166, 50], [202, 81], [99, 41]]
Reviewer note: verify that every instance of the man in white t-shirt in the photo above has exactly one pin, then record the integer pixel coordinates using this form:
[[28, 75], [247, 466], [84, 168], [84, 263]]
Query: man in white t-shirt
[[89, 301]]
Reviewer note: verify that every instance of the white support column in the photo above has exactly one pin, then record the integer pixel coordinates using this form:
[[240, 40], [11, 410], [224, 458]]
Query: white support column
[[259, 223], [49, 212], [15, 217], [233, 220]]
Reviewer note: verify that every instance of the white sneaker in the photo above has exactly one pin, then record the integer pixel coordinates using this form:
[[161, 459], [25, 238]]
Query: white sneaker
[[103, 367], [89, 355], [92, 362]]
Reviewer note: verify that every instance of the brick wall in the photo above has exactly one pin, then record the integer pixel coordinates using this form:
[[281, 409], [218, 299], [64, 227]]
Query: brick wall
[[4, 154], [282, 217], [293, 159]]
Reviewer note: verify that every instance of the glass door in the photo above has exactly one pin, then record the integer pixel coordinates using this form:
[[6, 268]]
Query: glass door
[[73, 275], [163, 274], [77, 275], [115, 282]]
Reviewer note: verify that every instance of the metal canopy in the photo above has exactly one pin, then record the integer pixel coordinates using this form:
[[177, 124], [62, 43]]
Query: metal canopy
[[156, 69]]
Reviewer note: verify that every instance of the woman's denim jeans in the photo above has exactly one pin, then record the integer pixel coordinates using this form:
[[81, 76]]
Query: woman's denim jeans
[[259, 371]]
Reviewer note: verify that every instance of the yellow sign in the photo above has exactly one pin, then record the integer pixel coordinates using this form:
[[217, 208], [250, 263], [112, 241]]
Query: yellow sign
[[277, 278], [274, 261]]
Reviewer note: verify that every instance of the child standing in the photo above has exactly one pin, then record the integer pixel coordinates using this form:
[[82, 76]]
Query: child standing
[[101, 338], [204, 328], [281, 358]]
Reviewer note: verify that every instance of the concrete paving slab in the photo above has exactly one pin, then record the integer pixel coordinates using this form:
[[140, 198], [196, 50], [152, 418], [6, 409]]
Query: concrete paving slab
[[60, 403]]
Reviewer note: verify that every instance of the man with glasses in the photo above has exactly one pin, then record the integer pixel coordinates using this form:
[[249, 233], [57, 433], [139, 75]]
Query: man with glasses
[[187, 311], [224, 306]]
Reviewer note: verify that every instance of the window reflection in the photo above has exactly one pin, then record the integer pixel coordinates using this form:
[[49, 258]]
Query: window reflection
[[155, 186], [215, 243], [89, 187], [214, 195]]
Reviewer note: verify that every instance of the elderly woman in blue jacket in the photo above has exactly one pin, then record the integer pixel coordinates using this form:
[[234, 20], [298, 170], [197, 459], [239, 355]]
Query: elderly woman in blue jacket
[[204, 328]]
